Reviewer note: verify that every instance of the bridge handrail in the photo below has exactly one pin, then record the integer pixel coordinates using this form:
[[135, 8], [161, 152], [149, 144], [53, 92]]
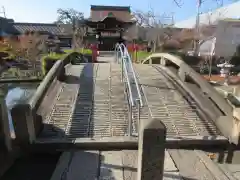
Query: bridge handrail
[[184, 70], [125, 73], [134, 74], [57, 70], [27, 126], [124, 52]]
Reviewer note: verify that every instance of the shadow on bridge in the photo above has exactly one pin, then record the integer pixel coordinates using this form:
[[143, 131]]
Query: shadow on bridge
[[77, 125], [32, 166], [100, 165], [81, 121], [83, 165]]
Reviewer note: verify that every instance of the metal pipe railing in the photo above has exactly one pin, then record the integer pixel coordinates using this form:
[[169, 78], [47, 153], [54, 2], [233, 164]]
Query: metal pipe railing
[[127, 68], [125, 73], [134, 75], [128, 83]]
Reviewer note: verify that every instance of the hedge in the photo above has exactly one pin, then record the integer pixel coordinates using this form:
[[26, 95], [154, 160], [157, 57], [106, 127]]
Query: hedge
[[49, 60]]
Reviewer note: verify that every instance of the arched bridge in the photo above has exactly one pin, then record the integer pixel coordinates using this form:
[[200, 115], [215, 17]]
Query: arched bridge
[[120, 106]]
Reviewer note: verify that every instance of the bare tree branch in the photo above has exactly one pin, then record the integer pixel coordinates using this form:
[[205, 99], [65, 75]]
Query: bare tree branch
[[73, 17], [179, 3], [155, 27], [67, 16]]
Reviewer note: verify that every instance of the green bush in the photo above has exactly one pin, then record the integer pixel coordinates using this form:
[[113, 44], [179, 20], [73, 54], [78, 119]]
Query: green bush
[[48, 60], [140, 55], [83, 51], [7, 55]]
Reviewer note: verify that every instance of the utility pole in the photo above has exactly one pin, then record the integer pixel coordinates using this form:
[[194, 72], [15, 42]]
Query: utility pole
[[173, 21], [196, 44], [4, 15], [3, 12]]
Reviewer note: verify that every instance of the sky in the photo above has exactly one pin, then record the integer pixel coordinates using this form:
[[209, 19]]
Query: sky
[[45, 11]]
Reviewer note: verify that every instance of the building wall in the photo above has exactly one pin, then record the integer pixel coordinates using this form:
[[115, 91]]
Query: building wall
[[227, 37], [125, 16]]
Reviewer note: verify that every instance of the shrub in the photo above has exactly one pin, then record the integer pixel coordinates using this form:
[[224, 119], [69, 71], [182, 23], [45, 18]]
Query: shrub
[[48, 61]]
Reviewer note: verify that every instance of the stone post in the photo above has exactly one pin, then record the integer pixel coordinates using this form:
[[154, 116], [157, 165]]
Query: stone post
[[62, 73], [22, 117], [151, 150], [5, 134]]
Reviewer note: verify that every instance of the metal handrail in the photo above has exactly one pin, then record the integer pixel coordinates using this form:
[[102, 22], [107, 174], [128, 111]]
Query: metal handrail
[[129, 88], [134, 75], [125, 70]]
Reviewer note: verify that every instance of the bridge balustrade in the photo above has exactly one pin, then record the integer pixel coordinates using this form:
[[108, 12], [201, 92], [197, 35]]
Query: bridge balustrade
[[27, 124], [5, 134], [226, 123]]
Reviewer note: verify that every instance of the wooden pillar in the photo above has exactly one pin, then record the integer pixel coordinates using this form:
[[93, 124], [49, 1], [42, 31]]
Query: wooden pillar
[[5, 134], [151, 150], [121, 38], [24, 126]]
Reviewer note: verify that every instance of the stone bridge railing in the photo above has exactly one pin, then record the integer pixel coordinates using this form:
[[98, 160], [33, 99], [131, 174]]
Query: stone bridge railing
[[27, 122], [226, 123]]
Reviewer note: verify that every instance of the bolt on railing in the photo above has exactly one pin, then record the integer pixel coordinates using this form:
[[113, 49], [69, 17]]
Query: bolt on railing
[[124, 59]]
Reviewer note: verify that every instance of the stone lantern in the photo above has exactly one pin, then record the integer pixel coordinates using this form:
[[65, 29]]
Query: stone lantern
[[225, 71]]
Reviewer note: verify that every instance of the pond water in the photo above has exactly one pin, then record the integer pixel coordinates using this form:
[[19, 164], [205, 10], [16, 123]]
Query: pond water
[[17, 93]]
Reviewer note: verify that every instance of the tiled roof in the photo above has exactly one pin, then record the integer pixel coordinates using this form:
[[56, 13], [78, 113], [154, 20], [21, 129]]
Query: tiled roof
[[107, 18], [54, 29], [49, 28], [115, 8]]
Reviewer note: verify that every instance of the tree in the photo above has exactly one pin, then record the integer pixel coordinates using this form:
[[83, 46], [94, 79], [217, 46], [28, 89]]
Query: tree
[[26, 46], [68, 16], [31, 43], [179, 3], [155, 28], [199, 3], [20, 51], [73, 17]]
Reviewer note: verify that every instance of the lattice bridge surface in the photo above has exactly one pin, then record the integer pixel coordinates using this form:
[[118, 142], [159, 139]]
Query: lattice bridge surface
[[92, 103]]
